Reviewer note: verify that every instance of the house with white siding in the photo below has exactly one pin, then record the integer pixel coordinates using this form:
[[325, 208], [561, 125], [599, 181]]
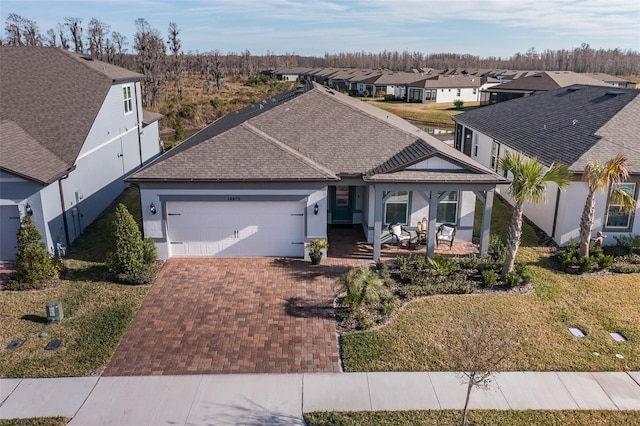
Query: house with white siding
[[575, 125], [72, 129]]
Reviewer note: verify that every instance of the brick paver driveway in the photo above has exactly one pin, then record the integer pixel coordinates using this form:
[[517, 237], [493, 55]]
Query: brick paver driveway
[[240, 315]]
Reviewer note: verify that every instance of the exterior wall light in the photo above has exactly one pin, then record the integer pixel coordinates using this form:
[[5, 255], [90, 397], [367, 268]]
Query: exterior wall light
[[152, 208], [315, 209], [28, 210]]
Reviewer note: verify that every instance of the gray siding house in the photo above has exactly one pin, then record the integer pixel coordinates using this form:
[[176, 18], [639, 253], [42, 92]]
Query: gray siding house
[[265, 180], [72, 129], [574, 125]]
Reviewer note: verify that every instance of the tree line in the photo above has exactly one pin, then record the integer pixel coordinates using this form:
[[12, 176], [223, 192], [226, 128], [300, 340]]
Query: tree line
[[164, 61]]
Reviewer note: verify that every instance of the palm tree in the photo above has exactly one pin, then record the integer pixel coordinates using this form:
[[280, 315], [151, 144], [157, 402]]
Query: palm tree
[[599, 176], [529, 184]]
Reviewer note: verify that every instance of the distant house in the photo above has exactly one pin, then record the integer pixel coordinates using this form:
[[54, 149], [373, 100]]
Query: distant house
[[72, 129], [271, 177], [612, 80], [536, 83], [574, 125], [448, 88]]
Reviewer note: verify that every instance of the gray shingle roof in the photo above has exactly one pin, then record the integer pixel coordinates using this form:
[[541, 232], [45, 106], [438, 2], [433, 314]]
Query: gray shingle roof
[[54, 96], [569, 125], [547, 80], [307, 134]]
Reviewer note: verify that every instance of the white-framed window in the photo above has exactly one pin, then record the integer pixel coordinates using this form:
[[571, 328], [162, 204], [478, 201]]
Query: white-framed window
[[476, 140], [448, 208], [495, 153], [458, 92], [126, 96], [396, 208], [475, 90], [616, 217]]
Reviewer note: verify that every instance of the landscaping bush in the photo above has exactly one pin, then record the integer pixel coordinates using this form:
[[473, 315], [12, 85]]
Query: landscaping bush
[[512, 279], [571, 261], [458, 103], [497, 249], [131, 257], [187, 110], [522, 271], [360, 286], [489, 278], [389, 98], [33, 263], [629, 243]]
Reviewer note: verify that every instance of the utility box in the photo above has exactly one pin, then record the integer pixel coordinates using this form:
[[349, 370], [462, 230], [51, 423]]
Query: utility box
[[54, 312]]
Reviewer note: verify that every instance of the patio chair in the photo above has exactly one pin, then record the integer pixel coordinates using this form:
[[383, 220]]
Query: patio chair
[[446, 234], [401, 235]]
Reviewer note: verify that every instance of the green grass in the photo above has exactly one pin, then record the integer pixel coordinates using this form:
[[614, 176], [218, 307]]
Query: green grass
[[96, 312], [431, 113], [415, 340], [475, 417], [36, 421]]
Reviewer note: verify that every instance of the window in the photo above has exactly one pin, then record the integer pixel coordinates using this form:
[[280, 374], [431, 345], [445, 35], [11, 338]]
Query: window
[[475, 91], [458, 91], [126, 95], [396, 208], [448, 209], [342, 196], [616, 217], [475, 145], [495, 153]]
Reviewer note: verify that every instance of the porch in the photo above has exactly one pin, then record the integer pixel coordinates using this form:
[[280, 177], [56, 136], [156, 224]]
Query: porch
[[349, 242]]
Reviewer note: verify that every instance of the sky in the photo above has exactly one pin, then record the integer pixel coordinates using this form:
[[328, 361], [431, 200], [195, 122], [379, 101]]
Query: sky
[[483, 28]]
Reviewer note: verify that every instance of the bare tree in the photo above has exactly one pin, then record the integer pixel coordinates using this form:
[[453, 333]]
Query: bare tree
[[176, 62], [97, 32], [479, 345], [75, 29], [62, 36], [21, 31], [118, 47], [51, 38], [151, 57]]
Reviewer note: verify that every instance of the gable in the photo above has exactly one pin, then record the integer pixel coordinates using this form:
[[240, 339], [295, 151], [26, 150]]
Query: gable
[[434, 163]]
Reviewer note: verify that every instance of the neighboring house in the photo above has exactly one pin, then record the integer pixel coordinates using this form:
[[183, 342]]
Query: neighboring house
[[448, 88], [265, 180], [574, 126], [72, 128], [612, 80], [536, 83]]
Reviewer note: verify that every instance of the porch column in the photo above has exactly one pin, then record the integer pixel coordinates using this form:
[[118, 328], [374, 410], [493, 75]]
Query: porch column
[[431, 231], [486, 222], [377, 223]]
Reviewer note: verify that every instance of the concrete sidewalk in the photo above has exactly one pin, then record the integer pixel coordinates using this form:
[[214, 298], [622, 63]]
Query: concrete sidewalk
[[282, 398]]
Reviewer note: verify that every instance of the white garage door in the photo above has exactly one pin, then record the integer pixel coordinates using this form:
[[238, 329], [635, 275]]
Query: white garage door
[[265, 228], [9, 225]]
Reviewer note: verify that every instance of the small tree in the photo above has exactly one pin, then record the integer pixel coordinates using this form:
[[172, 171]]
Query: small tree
[[458, 103], [127, 260], [360, 286], [33, 262], [529, 184], [599, 177], [179, 129], [479, 346]]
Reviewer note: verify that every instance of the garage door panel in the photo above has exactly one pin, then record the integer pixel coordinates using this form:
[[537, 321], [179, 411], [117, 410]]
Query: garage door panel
[[236, 228]]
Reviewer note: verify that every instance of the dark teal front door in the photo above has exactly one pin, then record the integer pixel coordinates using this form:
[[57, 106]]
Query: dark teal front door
[[342, 204]]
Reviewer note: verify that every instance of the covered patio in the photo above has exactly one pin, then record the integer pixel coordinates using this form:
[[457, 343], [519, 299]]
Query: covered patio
[[349, 242]]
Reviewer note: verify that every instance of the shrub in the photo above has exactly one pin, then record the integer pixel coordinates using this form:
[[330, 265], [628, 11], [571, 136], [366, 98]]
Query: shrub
[[414, 291], [127, 259], [381, 94], [149, 252], [217, 103], [625, 268], [187, 110], [364, 321], [489, 277], [458, 103], [388, 304], [389, 97], [33, 263], [469, 262], [497, 249], [629, 243], [523, 272], [361, 286], [512, 279]]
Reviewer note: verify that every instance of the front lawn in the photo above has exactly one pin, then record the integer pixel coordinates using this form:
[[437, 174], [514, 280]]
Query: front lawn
[[595, 303], [97, 312], [477, 417]]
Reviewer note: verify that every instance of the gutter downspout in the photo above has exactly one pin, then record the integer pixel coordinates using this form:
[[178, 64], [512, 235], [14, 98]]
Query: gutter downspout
[[138, 122], [555, 215], [64, 213]]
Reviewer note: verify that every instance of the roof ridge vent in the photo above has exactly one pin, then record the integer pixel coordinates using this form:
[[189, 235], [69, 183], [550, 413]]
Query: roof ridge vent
[[614, 92]]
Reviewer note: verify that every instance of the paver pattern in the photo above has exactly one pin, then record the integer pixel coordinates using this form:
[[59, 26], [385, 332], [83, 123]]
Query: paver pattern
[[235, 315]]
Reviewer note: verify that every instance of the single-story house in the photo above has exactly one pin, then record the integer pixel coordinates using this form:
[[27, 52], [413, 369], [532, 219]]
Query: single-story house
[[536, 83], [574, 125], [265, 180], [613, 80], [72, 129], [448, 88]]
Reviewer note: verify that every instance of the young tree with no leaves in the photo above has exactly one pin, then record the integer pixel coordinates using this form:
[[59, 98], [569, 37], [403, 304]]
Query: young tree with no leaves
[[598, 176], [479, 345], [529, 184], [151, 58]]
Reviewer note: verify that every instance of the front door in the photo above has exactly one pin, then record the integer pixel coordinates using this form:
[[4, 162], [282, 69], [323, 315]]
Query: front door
[[342, 204]]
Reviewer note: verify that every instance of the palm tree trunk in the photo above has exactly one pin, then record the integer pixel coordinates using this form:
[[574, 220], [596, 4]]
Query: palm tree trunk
[[586, 223], [513, 238]]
